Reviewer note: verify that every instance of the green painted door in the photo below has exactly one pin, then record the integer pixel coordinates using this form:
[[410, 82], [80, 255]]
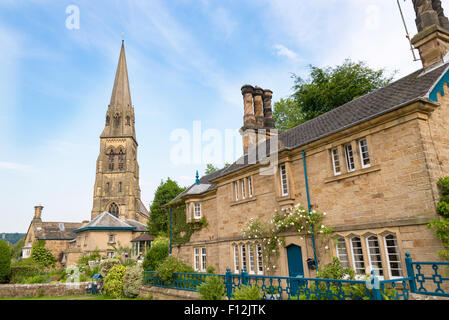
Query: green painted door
[[295, 267]]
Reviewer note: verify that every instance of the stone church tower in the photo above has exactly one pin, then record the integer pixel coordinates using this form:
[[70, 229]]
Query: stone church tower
[[117, 188]]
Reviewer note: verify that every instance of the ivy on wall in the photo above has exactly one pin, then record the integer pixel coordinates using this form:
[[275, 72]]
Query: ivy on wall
[[441, 226], [183, 230]]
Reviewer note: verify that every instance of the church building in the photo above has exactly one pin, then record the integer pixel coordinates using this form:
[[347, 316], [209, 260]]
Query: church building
[[118, 217]]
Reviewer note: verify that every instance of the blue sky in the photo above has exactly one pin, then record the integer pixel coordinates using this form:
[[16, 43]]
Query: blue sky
[[187, 60]]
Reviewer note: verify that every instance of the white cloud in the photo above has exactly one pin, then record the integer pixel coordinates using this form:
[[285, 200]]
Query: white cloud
[[14, 166], [284, 51]]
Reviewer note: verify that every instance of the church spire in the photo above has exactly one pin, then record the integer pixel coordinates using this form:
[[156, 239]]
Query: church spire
[[121, 95], [120, 114]]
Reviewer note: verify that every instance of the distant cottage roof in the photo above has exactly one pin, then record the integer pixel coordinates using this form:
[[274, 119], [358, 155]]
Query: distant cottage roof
[[107, 221], [143, 237], [420, 85], [56, 230]]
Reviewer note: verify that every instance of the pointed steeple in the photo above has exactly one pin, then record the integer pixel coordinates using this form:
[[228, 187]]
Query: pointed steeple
[[120, 114], [121, 95]]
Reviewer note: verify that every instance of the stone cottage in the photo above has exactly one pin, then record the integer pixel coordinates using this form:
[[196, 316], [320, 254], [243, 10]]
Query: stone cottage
[[372, 165]]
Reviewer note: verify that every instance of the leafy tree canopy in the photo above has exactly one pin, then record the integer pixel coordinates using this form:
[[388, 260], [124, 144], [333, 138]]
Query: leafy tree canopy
[[167, 191], [326, 89]]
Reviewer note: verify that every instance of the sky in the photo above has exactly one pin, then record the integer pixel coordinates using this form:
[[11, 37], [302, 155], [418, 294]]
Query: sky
[[187, 60]]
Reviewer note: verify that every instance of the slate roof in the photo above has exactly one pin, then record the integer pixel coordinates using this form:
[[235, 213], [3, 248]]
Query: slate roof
[[110, 222], [143, 237], [52, 230], [414, 87]]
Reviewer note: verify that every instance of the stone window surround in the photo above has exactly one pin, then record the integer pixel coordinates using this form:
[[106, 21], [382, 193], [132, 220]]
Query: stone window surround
[[237, 256], [199, 259], [357, 156], [382, 246], [240, 195]]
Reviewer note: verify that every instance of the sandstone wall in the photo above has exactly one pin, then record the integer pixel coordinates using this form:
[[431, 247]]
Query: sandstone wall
[[42, 290]]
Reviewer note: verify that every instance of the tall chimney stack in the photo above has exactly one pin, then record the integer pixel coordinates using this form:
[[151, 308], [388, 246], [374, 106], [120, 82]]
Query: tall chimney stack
[[267, 109], [249, 119], [432, 40], [258, 107], [38, 212]]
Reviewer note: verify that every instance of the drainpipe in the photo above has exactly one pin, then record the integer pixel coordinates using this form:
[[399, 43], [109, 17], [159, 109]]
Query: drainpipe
[[170, 231], [309, 206]]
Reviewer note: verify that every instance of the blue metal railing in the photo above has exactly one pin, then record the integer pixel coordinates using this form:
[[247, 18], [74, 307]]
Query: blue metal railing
[[429, 278], [288, 288]]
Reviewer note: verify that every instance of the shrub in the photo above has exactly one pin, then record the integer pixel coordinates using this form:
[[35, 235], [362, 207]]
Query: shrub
[[5, 262], [107, 265], [210, 270], [248, 293], [114, 281], [156, 254], [23, 269], [335, 270], [85, 258], [171, 265], [42, 255], [133, 281], [212, 289]]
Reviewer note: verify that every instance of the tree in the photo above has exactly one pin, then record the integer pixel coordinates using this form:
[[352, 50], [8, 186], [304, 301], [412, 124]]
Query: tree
[[167, 191], [210, 168], [5, 262], [326, 89]]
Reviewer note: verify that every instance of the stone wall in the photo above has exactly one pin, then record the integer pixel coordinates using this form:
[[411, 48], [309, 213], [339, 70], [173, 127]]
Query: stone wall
[[167, 294], [42, 290]]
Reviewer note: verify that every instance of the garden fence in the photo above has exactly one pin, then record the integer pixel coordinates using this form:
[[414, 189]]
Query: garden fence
[[422, 278]]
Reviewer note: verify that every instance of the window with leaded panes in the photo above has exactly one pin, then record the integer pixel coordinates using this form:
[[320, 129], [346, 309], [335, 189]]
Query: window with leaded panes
[[357, 255], [374, 255], [393, 256]]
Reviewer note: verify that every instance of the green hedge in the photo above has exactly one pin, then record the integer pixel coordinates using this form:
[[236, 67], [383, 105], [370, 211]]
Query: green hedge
[[5, 262]]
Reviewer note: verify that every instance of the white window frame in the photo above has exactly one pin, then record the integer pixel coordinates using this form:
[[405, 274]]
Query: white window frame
[[196, 259], [111, 238], [397, 254], [251, 260], [336, 163], [250, 187], [344, 261], [349, 157], [364, 155], [243, 260], [354, 261], [197, 210], [259, 255], [203, 259], [379, 270], [284, 180], [242, 184], [236, 190], [236, 259]]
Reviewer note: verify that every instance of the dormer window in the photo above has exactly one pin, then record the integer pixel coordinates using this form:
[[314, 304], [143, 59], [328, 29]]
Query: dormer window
[[61, 226]]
